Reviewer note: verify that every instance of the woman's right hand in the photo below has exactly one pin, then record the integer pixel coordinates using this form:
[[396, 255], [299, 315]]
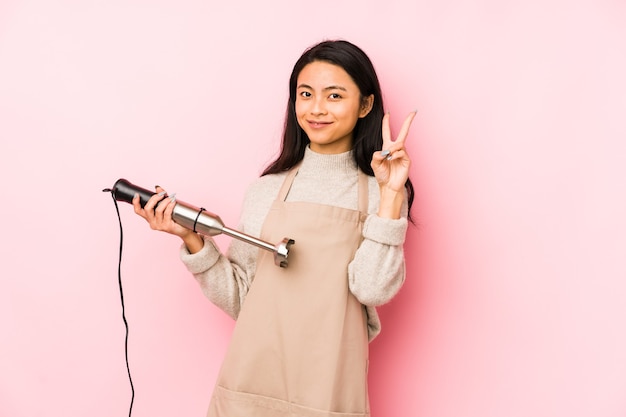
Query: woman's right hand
[[158, 213]]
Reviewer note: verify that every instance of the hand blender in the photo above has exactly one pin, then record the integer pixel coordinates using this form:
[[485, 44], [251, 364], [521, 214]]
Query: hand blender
[[201, 221]]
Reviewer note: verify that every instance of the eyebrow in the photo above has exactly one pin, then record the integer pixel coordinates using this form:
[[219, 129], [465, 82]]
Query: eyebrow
[[330, 87]]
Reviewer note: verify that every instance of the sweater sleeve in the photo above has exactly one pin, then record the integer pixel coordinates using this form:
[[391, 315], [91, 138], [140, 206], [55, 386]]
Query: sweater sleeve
[[226, 278], [377, 271]]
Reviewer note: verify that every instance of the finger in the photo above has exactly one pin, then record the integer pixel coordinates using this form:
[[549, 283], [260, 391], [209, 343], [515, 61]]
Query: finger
[[164, 210], [153, 203], [164, 204], [158, 212], [404, 130], [169, 209], [391, 152], [400, 155], [380, 156], [160, 195]]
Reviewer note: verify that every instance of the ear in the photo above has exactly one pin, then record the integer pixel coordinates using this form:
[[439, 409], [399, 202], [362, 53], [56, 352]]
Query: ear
[[366, 106]]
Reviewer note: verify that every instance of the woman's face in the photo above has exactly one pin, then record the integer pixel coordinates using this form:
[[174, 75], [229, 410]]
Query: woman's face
[[328, 105]]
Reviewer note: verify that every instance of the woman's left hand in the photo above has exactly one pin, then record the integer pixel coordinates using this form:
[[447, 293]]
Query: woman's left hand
[[391, 165]]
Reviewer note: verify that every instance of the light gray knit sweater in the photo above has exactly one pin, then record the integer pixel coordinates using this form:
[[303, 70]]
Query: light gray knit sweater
[[375, 274]]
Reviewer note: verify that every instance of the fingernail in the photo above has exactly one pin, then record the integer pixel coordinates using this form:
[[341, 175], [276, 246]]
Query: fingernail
[[173, 197], [161, 194], [157, 186], [385, 152], [136, 195]]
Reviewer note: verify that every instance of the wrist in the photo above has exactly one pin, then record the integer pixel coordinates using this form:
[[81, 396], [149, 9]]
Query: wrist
[[193, 242], [390, 203]]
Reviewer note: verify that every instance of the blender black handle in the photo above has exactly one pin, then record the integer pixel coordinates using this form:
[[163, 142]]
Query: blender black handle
[[124, 190]]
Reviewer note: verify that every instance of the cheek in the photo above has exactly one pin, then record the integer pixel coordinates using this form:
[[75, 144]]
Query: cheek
[[300, 112], [351, 110], [350, 114], [300, 109]]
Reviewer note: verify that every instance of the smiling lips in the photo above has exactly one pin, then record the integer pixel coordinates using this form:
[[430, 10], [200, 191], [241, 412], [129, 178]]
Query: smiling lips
[[317, 124]]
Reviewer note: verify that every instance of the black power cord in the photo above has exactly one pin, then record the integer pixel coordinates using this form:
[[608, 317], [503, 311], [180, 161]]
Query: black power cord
[[119, 280]]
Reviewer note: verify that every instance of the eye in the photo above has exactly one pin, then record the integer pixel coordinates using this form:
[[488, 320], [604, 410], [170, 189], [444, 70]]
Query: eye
[[334, 96], [305, 94]]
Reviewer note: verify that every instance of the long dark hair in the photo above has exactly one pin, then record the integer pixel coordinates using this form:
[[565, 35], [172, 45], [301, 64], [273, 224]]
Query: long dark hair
[[367, 135]]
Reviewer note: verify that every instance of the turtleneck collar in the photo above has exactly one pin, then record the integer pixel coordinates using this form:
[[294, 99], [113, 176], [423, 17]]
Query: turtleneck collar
[[328, 163]]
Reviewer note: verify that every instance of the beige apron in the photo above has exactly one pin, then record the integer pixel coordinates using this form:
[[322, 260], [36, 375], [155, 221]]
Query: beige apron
[[300, 344]]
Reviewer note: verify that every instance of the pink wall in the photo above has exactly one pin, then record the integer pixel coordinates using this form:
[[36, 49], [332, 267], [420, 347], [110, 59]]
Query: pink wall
[[515, 301]]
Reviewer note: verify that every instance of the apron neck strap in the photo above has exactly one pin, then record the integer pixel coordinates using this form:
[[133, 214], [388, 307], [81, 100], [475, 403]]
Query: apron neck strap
[[284, 189]]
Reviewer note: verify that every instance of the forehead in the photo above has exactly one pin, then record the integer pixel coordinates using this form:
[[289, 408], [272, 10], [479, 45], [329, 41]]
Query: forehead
[[321, 74]]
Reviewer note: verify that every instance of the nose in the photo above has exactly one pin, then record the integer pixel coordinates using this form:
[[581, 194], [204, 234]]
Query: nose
[[318, 106]]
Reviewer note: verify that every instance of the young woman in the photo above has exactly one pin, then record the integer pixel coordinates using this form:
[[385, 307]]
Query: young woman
[[340, 189]]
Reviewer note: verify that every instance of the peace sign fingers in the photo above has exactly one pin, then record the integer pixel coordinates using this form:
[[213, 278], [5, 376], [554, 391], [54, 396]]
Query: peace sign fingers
[[391, 165], [391, 146]]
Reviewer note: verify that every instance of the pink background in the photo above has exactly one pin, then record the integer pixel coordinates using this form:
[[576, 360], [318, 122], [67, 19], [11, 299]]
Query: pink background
[[515, 300]]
